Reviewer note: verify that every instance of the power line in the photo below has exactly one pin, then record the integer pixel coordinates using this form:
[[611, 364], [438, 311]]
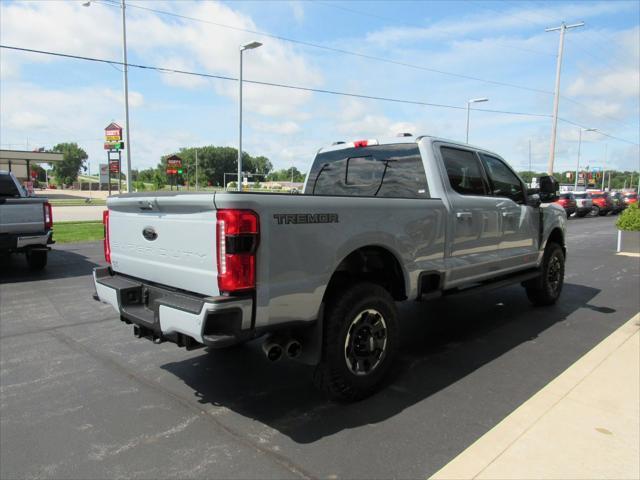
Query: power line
[[300, 88], [333, 49], [270, 84], [414, 25], [599, 131], [373, 57], [537, 23]]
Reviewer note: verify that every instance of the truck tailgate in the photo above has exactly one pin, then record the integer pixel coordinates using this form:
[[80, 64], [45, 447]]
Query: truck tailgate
[[167, 239], [22, 215]]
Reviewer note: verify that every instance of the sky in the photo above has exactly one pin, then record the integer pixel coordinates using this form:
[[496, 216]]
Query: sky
[[431, 52]]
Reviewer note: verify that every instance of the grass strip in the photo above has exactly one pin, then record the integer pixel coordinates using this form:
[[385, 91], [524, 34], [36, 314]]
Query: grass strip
[[70, 232], [59, 202]]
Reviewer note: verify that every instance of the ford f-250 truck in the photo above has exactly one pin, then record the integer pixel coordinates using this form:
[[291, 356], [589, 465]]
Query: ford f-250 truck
[[26, 223], [318, 274]]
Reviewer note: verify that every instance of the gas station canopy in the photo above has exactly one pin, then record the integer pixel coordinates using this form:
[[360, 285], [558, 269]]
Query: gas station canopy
[[19, 161]]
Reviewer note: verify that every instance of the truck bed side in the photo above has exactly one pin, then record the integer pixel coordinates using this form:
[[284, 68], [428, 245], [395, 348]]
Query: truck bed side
[[304, 239]]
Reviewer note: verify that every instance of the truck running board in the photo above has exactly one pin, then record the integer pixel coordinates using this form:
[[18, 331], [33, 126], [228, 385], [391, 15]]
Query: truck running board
[[487, 285]]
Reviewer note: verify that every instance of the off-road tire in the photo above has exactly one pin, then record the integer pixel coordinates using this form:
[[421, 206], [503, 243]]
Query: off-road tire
[[546, 289], [348, 314], [595, 211]]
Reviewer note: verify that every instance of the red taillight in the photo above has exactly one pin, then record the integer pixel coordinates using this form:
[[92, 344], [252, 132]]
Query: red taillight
[[360, 143], [237, 238], [105, 242], [48, 216]]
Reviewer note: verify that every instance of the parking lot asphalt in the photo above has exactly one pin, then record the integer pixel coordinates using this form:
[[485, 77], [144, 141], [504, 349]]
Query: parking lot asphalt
[[81, 397]]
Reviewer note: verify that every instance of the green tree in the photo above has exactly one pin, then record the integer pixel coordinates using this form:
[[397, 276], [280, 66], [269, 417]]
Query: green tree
[[73, 157], [146, 175], [213, 163], [159, 179], [286, 175]]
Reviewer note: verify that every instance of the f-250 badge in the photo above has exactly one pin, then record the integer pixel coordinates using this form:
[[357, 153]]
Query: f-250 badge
[[287, 218]]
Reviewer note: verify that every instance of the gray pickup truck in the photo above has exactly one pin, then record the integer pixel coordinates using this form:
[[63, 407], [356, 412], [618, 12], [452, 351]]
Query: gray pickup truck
[[26, 223], [318, 274]]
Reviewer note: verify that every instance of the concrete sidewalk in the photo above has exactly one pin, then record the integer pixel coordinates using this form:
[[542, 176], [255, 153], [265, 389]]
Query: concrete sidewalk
[[77, 214], [584, 424]]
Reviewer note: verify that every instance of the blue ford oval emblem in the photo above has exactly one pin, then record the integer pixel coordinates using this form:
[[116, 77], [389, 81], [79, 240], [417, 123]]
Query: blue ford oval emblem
[[149, 233]]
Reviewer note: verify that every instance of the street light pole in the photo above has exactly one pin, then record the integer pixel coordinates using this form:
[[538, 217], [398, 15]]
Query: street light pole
[[125, 79], [556, 98], [196, 169], [126, 95], [469, 102], [248, 46], [575, 187]]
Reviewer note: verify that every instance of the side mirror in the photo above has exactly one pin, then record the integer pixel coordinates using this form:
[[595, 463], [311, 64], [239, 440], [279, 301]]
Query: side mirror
[[533, 197], [549, 189]]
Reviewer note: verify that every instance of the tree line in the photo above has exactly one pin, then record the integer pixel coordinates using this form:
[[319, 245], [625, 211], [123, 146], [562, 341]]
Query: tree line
[[214, 162]]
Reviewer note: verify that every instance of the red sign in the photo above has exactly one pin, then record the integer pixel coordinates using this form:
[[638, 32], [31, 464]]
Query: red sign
[[34, 174], [114, 166], [171, 171], [174, 162], [113, 130]]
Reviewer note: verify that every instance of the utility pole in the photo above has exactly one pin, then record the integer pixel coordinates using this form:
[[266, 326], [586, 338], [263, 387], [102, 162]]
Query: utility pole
[[604, 165], [530, 172], [579, 146], [196, 169], [556, 97]]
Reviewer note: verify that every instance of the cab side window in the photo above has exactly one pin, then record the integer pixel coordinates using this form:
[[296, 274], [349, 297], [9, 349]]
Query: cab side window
[[464, 171], [504, 183]]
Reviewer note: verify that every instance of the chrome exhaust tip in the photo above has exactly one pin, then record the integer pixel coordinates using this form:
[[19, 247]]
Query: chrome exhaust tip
[[272, 350], [293, 348]]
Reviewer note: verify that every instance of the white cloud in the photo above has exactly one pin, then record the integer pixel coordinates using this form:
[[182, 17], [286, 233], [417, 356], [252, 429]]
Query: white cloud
[[79, 115], [298, 10], [495, 20], [215, 49], [27, 120], [136, 99], [285, 128], [67, 27], [64, 27]]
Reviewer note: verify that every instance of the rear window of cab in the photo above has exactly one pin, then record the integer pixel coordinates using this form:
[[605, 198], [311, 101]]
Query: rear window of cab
[[390, 171]]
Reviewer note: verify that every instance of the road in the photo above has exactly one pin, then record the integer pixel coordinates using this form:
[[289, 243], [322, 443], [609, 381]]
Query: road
[[83, 213], [81, 397]]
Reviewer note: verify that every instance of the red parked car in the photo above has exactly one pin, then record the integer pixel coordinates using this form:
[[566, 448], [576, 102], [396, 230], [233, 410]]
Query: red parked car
[[630, 198], [568, 202], [602, 204]]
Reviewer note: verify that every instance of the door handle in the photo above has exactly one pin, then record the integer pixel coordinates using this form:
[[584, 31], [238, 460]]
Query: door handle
[[464, 214], [508, 214]]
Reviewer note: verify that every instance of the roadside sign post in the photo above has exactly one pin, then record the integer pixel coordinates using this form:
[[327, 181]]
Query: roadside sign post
[[113, 144], [174, 167]]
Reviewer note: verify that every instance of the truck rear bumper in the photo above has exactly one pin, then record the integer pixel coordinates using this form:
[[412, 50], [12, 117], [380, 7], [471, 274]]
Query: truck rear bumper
[[162, 314], [15, 242]]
